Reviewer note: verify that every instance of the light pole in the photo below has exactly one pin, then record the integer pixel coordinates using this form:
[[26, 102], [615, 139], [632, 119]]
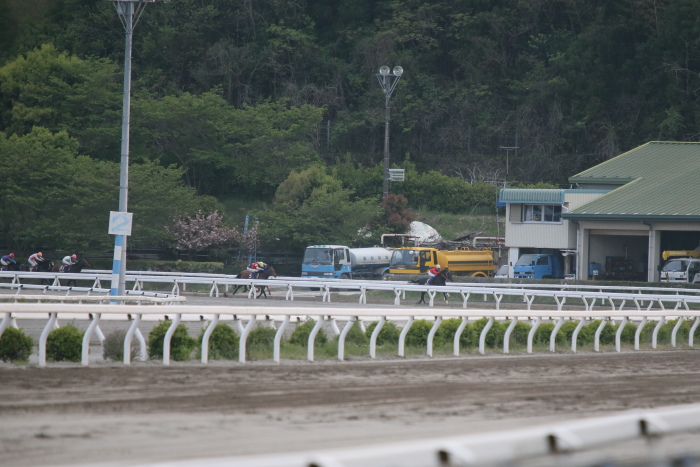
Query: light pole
[[129, 12], [388, 79]]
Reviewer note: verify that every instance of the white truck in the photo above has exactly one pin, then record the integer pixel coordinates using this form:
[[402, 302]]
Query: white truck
[[685, 269], [342, 262]]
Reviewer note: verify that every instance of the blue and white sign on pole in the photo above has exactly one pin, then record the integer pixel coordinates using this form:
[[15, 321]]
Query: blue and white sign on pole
[[120, 223]]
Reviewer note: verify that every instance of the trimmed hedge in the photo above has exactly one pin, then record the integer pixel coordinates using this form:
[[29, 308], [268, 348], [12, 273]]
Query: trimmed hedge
[[15, 346], [301, 334], [65, 344], [223, 343], [389, 333], [175, 266], [181, 344]]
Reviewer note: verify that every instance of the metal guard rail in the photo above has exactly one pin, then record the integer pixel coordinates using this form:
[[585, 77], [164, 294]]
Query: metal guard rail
[[682, 296], [322, 314], [500, 448]]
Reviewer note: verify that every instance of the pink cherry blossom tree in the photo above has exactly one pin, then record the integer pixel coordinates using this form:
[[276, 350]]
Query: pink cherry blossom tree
[[203, 231]]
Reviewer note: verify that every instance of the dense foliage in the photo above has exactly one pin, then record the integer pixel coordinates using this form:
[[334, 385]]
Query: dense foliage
[[15, 346], [181, 344], [65, 344], [278, 100]]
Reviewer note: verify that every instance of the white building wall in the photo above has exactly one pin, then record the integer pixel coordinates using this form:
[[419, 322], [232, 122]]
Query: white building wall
[[543, 235]]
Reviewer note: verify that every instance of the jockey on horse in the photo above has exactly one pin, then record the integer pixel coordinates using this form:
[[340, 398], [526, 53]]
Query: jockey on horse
[[432, 272], [255, 268], [34, 261], [8, 262], [67, 262]]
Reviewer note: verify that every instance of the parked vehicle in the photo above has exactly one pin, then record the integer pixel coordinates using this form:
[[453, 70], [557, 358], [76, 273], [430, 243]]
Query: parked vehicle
[[538, 266], [502, 272], [417, 260], [681, 270], [342, 262]]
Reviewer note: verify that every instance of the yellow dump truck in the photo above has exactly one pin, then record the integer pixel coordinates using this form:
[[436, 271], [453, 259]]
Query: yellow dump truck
[[417, 260]]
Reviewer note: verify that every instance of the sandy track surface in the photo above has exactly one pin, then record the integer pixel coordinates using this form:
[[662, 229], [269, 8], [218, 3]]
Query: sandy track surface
[[111, 414]]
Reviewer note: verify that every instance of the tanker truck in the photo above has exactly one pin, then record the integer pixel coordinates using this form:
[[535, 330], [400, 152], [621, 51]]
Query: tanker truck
[[342, 262], [417, 260]]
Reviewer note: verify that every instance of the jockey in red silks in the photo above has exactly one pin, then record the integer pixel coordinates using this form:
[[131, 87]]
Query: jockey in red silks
[[255, 268], [432, 272]]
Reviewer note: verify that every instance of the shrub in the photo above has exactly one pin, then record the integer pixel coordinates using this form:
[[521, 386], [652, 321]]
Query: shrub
[[494, 337], [355, 336], [445, 334], [388, 335], [261, 337], [520, 333], [15, 346], [223, 343], [628, 333], [417, 336], [64, 344], [681, 335], [607, 335], [113, 347], [544, 332], [181, 344], [301, 334], [585, 336]]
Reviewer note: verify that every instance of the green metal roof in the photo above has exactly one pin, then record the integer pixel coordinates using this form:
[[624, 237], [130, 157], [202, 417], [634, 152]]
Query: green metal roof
[[659, 181], [531, 195]]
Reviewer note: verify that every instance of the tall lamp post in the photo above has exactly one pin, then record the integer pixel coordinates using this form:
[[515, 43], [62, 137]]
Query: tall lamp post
[[129, 12], [388, 79]]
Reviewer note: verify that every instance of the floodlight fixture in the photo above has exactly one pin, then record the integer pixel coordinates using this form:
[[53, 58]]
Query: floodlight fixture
[[388, 81]]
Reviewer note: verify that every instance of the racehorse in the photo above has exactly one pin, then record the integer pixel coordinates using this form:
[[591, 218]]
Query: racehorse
[[439, 280], [74, 268], [41, 266], [264, 274], [10, 267]]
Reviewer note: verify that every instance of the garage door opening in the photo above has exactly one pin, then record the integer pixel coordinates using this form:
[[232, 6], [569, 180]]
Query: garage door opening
[[620, 257]]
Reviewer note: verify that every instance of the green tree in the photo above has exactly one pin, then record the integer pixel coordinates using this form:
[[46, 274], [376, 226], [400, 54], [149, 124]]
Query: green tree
[[51, 197], [61, 92], [312, 207]]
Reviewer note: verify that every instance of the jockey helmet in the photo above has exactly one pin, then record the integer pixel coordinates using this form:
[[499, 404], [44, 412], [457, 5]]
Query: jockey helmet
[[437, 266], [74, 256], [40, 254], [262, 265], [12, 255]]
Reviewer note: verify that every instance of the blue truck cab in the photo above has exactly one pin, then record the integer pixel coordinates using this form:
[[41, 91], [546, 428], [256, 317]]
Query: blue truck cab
[[538, 266]]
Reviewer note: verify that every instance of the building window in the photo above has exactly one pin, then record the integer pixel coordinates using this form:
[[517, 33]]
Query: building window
[[542, 213]]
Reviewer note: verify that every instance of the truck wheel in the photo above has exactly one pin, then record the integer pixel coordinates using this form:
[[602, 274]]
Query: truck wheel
[[387, 276], [344, 276], [478, 274]]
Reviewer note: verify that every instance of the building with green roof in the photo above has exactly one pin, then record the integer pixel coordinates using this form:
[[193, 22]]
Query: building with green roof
[[618, 217]]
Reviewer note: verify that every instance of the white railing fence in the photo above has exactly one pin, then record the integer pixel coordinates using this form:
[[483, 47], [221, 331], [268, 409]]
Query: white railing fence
[[611, 296], [329, 315], [552, 444]]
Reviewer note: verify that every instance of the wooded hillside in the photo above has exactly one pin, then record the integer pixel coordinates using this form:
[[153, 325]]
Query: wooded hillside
[[236, 95], [579, 81]]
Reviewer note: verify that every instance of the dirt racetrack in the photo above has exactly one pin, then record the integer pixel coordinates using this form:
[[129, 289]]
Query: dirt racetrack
[[111, 414]]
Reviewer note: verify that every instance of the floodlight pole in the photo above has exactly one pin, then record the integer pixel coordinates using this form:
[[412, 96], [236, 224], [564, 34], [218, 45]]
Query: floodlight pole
[[129, 12], [388, 85]]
